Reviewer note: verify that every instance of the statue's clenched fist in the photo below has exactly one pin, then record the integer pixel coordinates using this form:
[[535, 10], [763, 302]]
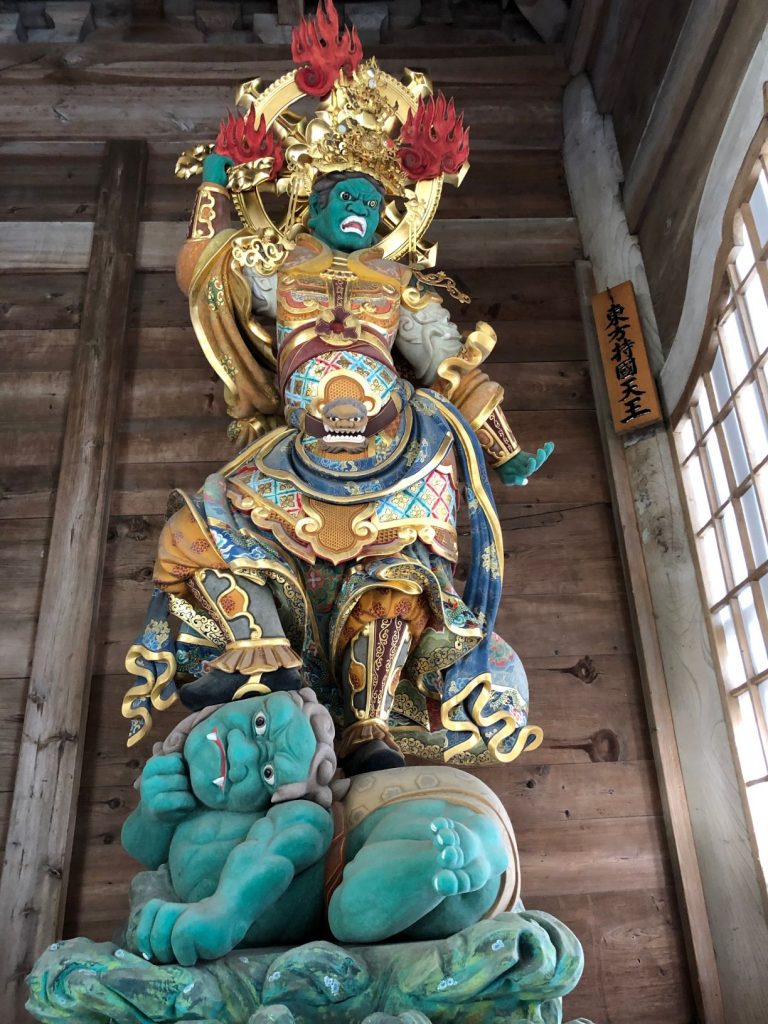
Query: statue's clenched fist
[[165, 791]]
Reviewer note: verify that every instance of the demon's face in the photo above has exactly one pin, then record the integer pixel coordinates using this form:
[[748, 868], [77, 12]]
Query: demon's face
[[344, 421]]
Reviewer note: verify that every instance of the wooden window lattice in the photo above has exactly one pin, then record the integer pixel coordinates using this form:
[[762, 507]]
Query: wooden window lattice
[[722, 444]]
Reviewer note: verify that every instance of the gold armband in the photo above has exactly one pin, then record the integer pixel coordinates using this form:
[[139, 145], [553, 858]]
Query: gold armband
[[210, 213], [496, 438], [477, 397]]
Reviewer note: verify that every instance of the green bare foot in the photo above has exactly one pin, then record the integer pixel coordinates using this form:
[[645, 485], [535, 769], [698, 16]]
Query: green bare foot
[[462, 864]]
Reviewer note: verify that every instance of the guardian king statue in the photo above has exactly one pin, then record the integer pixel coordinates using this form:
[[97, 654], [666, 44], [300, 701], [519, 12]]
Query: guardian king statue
[[323, 554], [305, 613]]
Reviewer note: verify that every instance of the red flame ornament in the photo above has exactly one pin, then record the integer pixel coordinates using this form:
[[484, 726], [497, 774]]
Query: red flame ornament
[[317, 44], [433, 140], [244, 140]]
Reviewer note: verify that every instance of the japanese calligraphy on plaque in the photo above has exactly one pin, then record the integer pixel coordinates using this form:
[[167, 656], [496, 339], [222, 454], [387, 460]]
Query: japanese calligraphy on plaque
[[631, 388]]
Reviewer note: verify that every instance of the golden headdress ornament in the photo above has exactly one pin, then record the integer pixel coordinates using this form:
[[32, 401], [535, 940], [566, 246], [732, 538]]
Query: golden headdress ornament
[[366, 121]]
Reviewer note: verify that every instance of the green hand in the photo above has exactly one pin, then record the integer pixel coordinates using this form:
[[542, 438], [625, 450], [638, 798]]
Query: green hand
[[215, 168], [524, 464], [165, 791]]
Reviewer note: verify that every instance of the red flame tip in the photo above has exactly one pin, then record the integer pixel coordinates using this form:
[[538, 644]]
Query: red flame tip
[[323, 50], [433, 140], [242, 139]]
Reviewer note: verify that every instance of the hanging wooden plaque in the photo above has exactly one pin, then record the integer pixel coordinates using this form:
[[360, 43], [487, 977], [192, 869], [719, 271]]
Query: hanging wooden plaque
[[632, 393]]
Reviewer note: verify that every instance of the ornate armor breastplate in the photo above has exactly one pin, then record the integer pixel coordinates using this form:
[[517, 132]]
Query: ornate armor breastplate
[[337, 317]]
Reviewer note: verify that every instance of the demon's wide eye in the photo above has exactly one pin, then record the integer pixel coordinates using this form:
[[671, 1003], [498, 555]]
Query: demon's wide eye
[[344, 196], [268, 774], [373, 203], [260, 723]]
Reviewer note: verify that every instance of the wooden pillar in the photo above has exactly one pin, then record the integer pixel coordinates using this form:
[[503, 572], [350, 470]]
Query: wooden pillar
[[39, 847]]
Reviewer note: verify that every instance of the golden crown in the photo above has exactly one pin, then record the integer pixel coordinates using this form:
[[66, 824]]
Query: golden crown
[[351, 131], [366, 121]]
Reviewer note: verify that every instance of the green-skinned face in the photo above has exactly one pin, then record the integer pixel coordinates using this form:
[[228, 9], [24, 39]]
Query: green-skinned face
[[351, 216], [240, 755]]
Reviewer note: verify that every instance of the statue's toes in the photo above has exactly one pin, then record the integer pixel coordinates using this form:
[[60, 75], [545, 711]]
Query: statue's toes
[[446, 883], [452, 857], [451, 883], [444, 833]]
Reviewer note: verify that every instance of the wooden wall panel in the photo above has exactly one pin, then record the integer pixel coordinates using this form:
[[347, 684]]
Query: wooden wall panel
[[34, 383], [586, 804]]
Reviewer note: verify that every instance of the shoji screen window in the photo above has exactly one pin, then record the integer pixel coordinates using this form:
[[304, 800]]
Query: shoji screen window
[[722, 443]]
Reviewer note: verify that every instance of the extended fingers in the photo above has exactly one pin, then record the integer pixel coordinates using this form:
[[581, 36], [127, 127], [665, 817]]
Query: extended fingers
[[543, 453]]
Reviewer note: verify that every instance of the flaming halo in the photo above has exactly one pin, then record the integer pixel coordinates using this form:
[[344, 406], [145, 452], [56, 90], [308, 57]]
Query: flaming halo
[[366, 121]]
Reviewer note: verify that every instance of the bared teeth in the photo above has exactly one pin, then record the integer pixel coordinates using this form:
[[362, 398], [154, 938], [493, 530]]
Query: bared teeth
[[212, 737], [339, 438], [355, 224], [219, 782]]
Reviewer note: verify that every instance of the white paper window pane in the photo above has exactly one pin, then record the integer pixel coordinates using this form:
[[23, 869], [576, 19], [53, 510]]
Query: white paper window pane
[[735, 444], [701, 407], [731, 661], [717, 470], [711, 565], [735, 349], [720, 383], [745, 258], [694, 486], [759, 206], [755, 527], [758, 808], [753, 630], [686, 439], [733, 545], [754, 422], [747, 738], [758, 312]]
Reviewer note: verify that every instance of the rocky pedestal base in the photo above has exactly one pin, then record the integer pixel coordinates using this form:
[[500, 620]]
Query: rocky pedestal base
[[514, 968]]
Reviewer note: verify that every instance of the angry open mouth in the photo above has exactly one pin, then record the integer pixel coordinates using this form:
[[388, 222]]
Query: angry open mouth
[[354, 225]]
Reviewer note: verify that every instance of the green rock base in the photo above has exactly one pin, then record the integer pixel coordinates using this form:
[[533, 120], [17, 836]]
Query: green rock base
[[514, 968]]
